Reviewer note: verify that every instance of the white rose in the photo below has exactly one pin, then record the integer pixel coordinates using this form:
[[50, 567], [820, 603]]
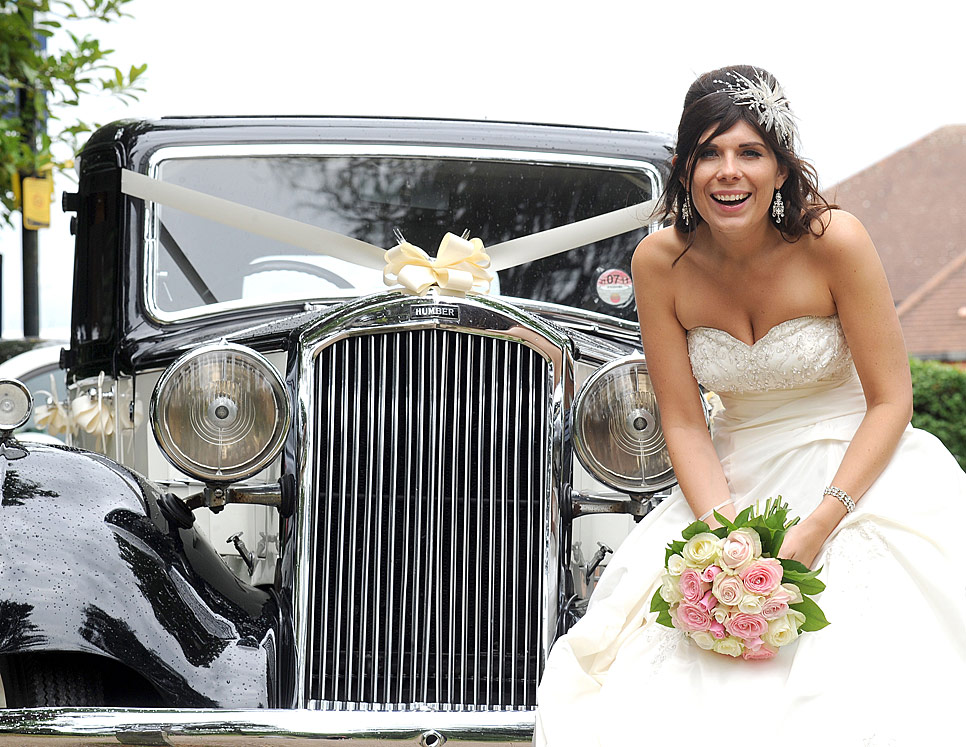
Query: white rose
[[670, 590], [720, 613], [781, 632], [796, 618], [794, 592], [676, 565], [729, 646], [703, 638], [750, 604], [701, 550]]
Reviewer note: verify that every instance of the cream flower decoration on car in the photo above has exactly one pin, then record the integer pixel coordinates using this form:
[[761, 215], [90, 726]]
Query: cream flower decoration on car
[[53, 416]]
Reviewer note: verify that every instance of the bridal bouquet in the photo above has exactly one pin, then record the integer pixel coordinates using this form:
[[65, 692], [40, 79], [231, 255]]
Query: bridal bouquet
[[730, 593]]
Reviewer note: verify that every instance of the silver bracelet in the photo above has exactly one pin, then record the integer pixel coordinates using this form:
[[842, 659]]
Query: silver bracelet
[[710, 511], [844, 497]]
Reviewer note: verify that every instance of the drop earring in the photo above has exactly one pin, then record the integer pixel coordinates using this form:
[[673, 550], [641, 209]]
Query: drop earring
[[778, 207], [686, 209]]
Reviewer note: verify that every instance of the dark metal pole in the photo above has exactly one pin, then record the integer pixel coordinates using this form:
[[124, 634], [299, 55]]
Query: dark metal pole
[[31, 296], [27, 98]]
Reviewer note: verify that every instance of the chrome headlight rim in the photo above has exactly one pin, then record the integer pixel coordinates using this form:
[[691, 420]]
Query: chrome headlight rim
[[249, 467], [583, 449], [28, 405]]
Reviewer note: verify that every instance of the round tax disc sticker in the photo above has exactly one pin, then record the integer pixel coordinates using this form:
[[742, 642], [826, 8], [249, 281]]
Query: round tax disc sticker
[[614, 288]]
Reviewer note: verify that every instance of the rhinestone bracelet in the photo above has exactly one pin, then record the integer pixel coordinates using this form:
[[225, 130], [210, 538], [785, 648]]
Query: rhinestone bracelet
[[844, 497]]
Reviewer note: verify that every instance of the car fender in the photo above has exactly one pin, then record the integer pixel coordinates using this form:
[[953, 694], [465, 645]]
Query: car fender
[[89, 562]]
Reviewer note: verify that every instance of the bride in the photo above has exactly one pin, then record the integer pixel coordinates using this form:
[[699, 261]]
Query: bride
[[768, 296]]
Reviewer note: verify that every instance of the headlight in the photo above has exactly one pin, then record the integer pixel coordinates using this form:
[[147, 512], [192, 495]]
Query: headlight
[[15, 404], [617, 429], [220, 413]]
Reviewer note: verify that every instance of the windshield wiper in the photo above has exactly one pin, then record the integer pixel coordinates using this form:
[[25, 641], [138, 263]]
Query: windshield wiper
[[184, 264]]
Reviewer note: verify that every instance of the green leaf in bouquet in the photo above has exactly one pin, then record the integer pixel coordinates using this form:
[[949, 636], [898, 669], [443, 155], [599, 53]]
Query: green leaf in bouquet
[[664, 618], [814, 617], [793, 566], [776, 542], [725, 523], [673, 548], [809, 586], [767, 541], [696, 527], [742, 518], [806, 580], [658, 603]]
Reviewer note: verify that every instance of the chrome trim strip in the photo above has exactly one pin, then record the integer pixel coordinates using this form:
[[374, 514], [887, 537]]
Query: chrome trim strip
[[246, 728], [150, 240]]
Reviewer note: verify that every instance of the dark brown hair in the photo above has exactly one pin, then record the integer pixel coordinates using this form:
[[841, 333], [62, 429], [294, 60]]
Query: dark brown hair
[[709, 104]]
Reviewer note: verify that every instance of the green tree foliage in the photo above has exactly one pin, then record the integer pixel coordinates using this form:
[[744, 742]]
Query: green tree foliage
[[39, 88], [939, 404]]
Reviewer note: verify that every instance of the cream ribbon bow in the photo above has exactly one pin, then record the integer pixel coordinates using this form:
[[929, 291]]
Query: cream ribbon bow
[[459, 266], [53, 416], [92, 413]]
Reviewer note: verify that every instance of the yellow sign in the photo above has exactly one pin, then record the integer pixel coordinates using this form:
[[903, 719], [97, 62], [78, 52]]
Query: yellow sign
[[36, 201]]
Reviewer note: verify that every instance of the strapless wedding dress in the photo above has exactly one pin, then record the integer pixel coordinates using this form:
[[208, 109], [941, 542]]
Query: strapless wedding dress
[[891, 667]]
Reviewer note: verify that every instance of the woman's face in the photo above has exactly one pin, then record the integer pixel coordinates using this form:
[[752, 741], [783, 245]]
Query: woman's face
[[735, 178]]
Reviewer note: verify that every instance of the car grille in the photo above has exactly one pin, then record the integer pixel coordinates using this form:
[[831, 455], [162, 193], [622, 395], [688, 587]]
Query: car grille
[[431, 483]]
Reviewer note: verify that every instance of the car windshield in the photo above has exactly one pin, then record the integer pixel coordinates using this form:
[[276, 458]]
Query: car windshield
[[197, 264]]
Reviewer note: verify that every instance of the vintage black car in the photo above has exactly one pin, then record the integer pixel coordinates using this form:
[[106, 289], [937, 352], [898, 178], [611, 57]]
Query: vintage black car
[[293, 501]]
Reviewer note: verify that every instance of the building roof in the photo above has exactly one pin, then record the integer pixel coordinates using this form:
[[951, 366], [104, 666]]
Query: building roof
[[912, 204]]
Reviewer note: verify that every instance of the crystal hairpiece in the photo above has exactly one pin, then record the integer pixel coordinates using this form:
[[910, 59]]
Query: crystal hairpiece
[[769, 102]]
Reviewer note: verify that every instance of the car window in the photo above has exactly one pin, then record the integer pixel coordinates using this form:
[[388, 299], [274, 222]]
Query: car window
[[196, 262]]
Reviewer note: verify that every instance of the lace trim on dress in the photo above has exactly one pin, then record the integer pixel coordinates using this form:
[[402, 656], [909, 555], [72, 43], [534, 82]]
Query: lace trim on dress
[[794, 353]]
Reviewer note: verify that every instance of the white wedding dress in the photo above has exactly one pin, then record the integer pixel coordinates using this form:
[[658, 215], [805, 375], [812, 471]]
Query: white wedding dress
[[890, 669]]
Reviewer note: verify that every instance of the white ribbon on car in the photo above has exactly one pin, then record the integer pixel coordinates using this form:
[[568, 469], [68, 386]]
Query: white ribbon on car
[[53, 416], [459, 266], [502, 256]]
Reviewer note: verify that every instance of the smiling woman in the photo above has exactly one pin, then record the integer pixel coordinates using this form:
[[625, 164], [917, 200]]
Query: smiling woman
[[767, 295]]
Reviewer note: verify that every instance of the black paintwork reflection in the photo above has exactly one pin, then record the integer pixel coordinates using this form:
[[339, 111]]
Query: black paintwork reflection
[[17, 632], [248, 609], [116, 637], [197, 643], [16, 489], [89, 563]]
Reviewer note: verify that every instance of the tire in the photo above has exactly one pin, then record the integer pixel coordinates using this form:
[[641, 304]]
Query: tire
[[39, 680]]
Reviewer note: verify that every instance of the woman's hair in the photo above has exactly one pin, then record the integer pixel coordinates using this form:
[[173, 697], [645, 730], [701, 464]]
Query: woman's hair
[[720, 99]]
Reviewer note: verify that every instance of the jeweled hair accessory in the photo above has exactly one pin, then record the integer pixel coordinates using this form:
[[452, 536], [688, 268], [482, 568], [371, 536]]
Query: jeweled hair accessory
[[769, 102]]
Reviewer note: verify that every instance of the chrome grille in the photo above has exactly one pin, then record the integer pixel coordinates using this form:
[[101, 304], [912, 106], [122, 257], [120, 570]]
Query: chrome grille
[[431, 479]]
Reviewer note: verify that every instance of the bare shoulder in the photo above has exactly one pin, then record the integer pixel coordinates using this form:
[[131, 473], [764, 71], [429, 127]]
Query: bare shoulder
[[841, 240], [655, 255]]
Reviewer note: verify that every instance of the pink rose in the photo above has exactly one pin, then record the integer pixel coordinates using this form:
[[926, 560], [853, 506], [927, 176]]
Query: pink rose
[[739, 549], [693, 617], [774, 607], [728, 589], [747, 626], [718, 630], [709, 573], [762, 576], [691, 585], [763, 652], [708, 601]]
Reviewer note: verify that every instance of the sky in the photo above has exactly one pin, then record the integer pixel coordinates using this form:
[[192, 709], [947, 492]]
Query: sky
[[863, 81]]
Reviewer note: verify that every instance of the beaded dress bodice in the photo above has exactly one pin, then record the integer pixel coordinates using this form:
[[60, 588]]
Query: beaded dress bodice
[[794, 353]]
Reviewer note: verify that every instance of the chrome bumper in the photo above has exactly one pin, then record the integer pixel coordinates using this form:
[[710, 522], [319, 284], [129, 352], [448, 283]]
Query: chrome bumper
[[81, 727]]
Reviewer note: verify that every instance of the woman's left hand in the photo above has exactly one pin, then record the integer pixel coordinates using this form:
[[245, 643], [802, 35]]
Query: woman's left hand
[[803, 542]]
